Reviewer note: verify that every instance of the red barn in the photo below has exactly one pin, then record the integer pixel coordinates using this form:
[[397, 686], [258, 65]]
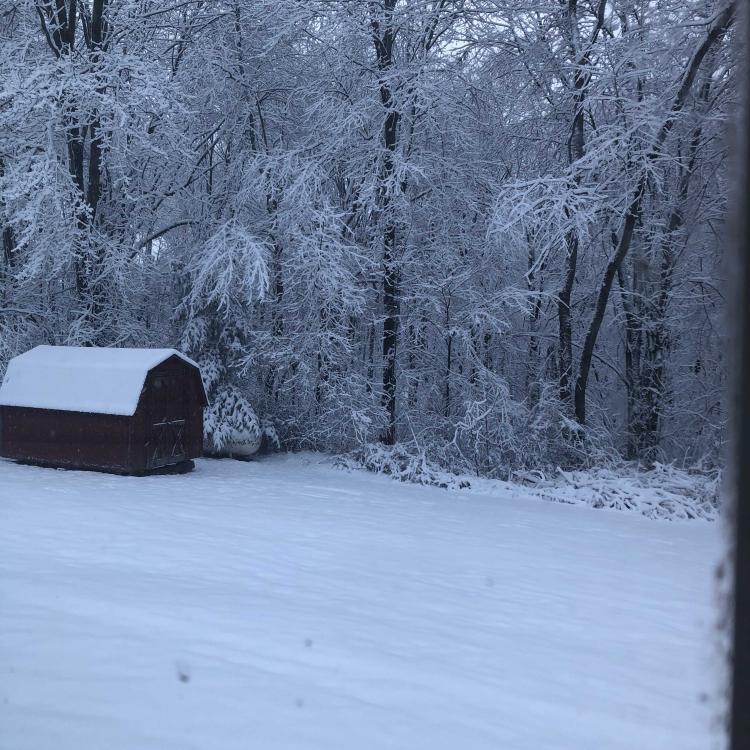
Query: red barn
[[128, 411]]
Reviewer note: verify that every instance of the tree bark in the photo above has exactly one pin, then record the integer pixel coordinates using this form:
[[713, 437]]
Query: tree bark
[[587, 351], [576, 148], [383, 39], [632, 355]]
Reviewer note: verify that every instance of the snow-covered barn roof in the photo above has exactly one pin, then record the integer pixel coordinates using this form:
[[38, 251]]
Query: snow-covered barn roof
[[102, 380]]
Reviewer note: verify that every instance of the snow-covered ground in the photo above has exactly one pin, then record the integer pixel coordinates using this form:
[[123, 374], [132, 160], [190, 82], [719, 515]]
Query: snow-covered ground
[[288, 604]]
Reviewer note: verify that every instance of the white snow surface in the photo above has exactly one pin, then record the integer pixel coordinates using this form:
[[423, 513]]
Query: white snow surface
[[288, 604], [103, 380]]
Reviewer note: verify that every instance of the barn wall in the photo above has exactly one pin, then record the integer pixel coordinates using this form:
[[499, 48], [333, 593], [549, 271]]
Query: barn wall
[[137, 451], [65, 438], [195, 438], [195, 414], [186, 402]]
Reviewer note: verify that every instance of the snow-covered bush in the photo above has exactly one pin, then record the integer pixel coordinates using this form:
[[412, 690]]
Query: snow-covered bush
[[402, 462], [230, 425], [223, 278], [661, 492], [495, 435]]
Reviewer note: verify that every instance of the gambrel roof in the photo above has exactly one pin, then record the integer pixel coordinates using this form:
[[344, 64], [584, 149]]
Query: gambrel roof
[[101, 380]]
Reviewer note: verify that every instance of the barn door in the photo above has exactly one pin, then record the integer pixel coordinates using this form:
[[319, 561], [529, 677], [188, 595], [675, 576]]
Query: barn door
[[167, 422]]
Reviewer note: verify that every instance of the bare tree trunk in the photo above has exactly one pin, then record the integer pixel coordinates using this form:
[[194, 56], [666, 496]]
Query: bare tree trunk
[[532, 363], [576, 145], [277, 288], [632, 356], [565, 335], [653, 391], [714, 32], [98, 34], [9, 248], [576, 148], [448, 361], [587, 351], [391, 313], [384, 37], [59, 22], [370, 356]]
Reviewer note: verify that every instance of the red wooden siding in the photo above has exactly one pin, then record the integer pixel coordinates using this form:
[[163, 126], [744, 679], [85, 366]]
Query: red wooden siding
[[66, 438]]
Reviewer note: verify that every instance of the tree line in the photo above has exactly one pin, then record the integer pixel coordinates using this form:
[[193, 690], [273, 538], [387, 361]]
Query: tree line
[[491, 230]]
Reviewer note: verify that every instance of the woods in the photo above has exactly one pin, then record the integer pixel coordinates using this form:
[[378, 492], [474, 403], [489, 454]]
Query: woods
[[491, 231]]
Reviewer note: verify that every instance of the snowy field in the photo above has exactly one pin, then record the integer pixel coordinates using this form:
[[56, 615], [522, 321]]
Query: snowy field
[[288, 604]]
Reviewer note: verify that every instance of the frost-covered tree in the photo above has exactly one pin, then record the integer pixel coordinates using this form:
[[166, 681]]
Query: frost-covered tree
[[489, 229]]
